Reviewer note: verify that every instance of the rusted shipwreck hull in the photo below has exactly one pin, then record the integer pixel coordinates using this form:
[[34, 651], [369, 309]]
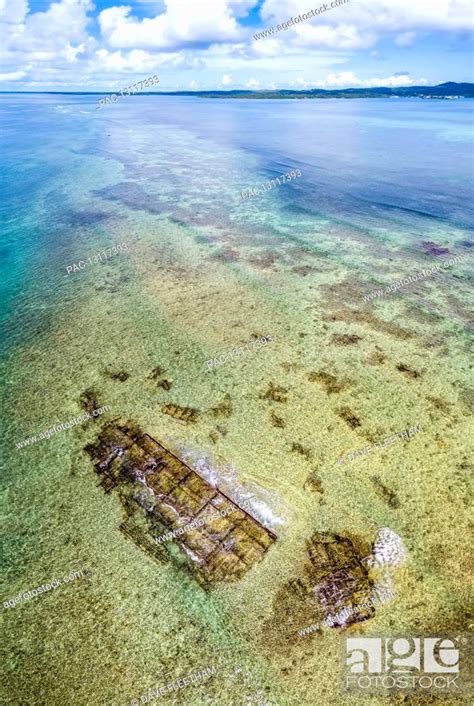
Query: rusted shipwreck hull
[[171, 511]]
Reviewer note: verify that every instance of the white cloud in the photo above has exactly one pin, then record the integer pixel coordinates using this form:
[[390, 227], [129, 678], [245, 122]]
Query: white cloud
[[347, 79], [138, 61], [182, 24], [392, 14], [13, 11], [361, 23], [72, 52], [42, 41], [301, 83], [253, 84], [406, 39], [57, 46], [14, 76], [344, 36], [240, 8]]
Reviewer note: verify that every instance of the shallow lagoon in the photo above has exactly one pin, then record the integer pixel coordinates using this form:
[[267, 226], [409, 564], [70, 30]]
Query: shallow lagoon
[[383, 183]]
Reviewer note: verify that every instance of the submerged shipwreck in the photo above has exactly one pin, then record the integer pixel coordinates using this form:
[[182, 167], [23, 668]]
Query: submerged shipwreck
[[172, 512], [335, 581]]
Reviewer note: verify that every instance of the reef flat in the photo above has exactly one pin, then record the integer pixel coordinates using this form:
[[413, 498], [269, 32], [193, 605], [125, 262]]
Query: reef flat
[[204, 274]]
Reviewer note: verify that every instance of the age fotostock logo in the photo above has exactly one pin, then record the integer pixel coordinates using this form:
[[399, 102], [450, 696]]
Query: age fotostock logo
[[404, 663]]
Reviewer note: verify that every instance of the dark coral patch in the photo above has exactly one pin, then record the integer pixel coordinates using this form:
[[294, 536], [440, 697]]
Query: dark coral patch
[[224, 408], [120, 375], [298, 448], [89, 400], [289, 367], [130, 194], [214, 436], [85, 218], [432, 249], [226, 255], [440, 404], [303, 270], [349, 316], [277, 421], [408, 371], [314, 484], [348, 416], [345, 339], [157, 372], [265, 260], [377, 358], [275, 393], [330, 383], [385, 493]]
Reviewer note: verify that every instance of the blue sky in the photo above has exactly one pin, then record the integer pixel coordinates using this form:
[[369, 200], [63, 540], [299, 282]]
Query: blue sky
[[201, 44]]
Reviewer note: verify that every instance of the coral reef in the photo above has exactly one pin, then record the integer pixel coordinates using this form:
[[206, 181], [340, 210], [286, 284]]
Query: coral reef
[[120, 375], [330, 383], [277, 421], [388, 549], [89, 400], [348, 416], [275, 393], [385, 493], [345, 339]]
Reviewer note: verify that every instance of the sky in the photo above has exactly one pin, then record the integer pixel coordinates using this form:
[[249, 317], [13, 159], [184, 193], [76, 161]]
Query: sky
[[80, 45]]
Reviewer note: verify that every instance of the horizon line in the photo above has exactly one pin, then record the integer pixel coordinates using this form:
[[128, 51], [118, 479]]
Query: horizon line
[[248, 90]]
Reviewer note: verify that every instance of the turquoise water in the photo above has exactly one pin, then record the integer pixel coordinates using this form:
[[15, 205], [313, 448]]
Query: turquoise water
[[385, 190], [397, 170]]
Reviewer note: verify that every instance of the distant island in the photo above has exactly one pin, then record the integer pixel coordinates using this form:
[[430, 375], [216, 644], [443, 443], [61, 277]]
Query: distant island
[[447, 91], [450, 90]]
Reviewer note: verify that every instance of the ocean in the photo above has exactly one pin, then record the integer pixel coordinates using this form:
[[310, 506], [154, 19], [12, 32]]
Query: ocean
[[385, 192]]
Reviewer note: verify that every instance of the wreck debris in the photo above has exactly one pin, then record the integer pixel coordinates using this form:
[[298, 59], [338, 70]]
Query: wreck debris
[[188, 415], [336, 581], [217, 540]]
